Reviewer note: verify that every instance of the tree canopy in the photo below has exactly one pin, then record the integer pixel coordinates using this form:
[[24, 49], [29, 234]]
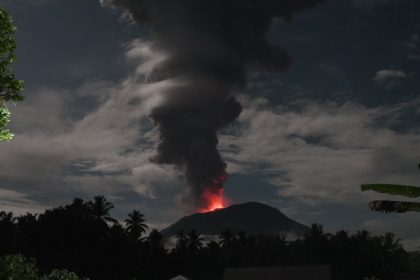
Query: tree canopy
[[10, 88], [74, 242], [19, 267]]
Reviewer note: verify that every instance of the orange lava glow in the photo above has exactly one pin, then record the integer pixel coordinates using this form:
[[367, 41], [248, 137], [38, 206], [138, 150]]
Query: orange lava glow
[[213, 200]]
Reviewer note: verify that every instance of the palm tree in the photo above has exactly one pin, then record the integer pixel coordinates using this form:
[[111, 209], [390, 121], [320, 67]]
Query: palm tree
[[181, 240], [7, 218], [156, 243], [27, 218], [135, 224], [101, 208], [316, 233], [242, 238], [391, 243], [7, 232], [362, 236], [213, 246], [27, 222], [227, 237], [78, 207], [392, 205], [155, 238], [77, 202], [194, 241]]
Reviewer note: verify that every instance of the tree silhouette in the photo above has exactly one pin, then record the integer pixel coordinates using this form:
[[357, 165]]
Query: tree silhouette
[[227, 237], [101, 208], [194, 241], [391, 243], [156, 257], [155, 240], [181, 241], [136, 224], [26, 232], [28, 219], [73, 238], [79, 207], [7, 232], [7, 218]]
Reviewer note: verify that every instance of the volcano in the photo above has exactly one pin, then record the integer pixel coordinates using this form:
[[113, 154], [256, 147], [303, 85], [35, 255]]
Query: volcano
[[251, 217]]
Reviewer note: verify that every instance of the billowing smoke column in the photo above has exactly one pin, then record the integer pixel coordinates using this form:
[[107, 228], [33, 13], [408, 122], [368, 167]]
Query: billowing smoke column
[[209, 45]]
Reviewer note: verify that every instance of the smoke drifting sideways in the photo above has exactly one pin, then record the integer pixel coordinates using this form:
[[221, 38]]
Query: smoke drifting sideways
[[208, 45]]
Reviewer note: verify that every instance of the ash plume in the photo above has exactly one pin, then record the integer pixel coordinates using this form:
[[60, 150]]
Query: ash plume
[[209, 44]]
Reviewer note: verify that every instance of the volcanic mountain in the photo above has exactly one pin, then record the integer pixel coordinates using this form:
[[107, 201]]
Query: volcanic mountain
[[251, 217]]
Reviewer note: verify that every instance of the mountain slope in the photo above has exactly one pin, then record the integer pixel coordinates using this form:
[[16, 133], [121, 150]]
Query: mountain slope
[[251, 217]]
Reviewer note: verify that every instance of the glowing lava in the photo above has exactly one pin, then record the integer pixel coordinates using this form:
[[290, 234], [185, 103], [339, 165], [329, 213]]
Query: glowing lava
[[212, 196], [213, 200]]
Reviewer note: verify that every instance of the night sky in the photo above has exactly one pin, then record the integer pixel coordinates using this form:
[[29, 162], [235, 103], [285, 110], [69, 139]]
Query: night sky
[[346, 113]]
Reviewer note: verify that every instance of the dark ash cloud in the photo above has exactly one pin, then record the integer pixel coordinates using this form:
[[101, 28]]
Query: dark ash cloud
[[209, 45]]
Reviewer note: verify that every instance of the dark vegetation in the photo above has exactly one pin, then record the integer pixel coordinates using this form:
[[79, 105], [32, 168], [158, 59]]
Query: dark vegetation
[[82, 237], [17, 267]]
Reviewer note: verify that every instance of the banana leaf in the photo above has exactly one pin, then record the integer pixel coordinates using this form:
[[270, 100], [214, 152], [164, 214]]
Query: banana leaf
[[408, 191], [388, 206]]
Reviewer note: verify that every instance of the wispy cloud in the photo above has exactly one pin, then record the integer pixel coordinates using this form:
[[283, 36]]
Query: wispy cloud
[[386, 74], [93, 139], [321, 152], [18, 203], [389, 78], [314, 152]]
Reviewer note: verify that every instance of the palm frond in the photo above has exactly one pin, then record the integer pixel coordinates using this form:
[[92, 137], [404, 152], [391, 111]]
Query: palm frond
[[408, 191], [389, 206], [110, 219]]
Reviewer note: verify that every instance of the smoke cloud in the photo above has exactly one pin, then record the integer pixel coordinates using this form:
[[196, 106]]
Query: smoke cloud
[[208, 46]]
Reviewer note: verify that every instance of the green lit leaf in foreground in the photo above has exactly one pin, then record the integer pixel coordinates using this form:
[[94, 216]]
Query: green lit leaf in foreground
[[408, 191], [5, 135], [11, 89], [388, 206]]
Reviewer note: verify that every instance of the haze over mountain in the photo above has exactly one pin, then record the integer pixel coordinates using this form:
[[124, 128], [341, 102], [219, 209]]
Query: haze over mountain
[[251, 217]]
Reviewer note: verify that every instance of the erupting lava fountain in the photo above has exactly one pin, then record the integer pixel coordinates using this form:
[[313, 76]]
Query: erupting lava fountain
[[212, 197]]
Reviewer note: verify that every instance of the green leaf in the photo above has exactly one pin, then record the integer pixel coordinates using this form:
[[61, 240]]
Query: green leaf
[[388, 206], [62, 275], [10, 88], [4, 116], [5, 135], [409, 191], [16, 267]]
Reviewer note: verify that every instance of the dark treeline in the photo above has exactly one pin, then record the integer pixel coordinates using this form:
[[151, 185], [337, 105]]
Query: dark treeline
[[83, 237]]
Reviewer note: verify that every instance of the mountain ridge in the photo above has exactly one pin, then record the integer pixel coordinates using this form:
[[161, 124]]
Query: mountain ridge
[[251, 217]]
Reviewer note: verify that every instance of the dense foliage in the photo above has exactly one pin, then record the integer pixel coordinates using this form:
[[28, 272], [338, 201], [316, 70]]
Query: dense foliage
[[10, 88], [83, 237], [17, 267]]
